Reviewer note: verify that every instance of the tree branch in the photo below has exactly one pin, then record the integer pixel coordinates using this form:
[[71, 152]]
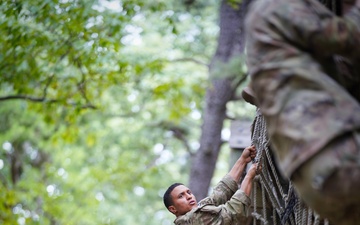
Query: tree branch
[[24, 97], [191, 60], [44, 100], [178, 134]]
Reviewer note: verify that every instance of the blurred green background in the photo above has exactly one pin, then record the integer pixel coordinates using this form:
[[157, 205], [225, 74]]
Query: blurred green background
[[101, 107]]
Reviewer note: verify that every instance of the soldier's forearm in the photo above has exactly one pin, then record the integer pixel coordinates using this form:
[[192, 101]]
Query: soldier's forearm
[[238, 169], [246, 185]]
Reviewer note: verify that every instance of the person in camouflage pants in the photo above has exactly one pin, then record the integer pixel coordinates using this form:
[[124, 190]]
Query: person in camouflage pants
[[226, 205], [310, 103]]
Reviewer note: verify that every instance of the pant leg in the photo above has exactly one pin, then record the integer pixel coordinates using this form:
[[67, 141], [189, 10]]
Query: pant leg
[[330, 182], [310, 119], [304, 110]]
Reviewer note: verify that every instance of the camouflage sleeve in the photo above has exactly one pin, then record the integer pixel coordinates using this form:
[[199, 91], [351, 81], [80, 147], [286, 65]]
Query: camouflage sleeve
[[222, 192], [234, 211], [317, 30], [237, 208]]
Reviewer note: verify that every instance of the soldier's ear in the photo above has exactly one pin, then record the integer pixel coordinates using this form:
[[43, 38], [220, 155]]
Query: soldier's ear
[[172, 209]]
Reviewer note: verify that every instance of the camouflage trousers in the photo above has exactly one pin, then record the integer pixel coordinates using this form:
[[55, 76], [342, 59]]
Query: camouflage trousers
[[329, 183], [314, 128]]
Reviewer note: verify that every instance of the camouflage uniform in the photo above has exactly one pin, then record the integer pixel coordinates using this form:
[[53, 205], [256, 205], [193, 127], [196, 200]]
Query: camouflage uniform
[[226, 205], [311, 110]]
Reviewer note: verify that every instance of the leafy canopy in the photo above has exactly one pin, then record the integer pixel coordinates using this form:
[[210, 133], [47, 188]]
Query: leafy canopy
[[96, 98]]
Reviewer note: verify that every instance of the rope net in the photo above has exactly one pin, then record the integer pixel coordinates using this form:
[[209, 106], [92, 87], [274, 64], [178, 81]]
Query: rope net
[[274, 198]]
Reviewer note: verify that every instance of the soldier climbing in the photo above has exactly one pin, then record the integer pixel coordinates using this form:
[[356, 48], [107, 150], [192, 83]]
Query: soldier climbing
[[303, 62]]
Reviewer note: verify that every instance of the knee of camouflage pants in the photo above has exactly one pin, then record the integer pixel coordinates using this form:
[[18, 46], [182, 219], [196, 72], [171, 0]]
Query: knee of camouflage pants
[[329, 183]]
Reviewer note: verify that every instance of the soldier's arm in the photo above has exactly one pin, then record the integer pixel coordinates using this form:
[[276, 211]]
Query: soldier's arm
[[236, 209], [229, 184], [238, 169], [222, 192], [246, 184]]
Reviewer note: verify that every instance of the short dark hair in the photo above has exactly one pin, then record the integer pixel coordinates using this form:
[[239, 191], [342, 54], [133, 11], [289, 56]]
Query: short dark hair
[[167, 196]]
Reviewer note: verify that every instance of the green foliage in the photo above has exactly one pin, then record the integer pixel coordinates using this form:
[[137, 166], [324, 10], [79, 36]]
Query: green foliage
[[63, 52], [235, 68], [95, 97]]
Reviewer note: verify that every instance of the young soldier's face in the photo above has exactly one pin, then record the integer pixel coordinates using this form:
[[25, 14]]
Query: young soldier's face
[[183, 200]]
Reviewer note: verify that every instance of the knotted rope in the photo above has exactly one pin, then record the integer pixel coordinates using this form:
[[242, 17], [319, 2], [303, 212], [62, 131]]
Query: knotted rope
[[277, 194]]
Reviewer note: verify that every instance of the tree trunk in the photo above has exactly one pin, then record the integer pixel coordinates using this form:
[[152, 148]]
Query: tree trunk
[[221, 91]]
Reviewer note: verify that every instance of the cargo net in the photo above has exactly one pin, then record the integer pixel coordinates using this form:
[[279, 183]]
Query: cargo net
[[273, 197]]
